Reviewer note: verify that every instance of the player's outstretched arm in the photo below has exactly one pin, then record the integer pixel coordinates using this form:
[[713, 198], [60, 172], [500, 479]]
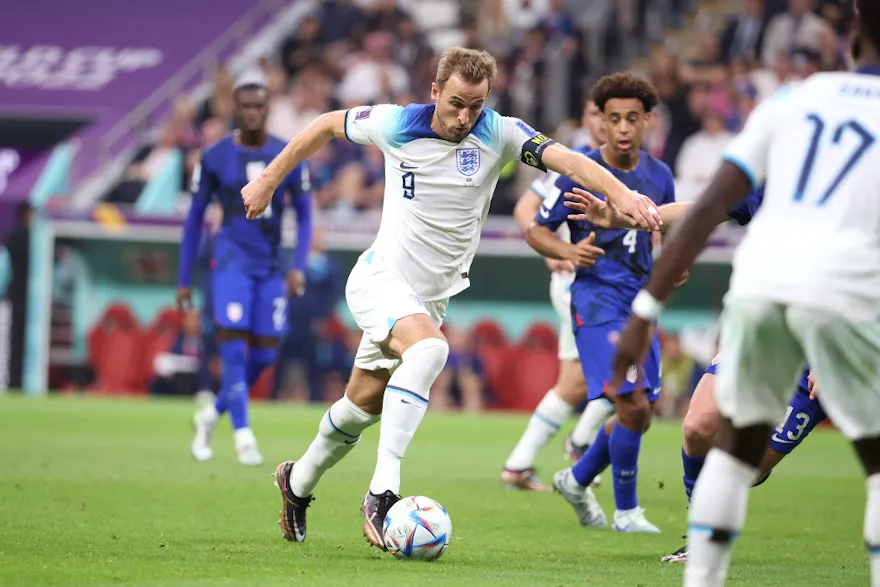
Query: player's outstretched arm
[[600, 213], [258, 194], [581, 169], [582, 254], [205, 184]]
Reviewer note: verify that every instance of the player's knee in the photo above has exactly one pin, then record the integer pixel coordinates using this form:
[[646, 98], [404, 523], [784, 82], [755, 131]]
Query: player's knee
[[699, 430], [430, 353], [634, 411], [233, 352]]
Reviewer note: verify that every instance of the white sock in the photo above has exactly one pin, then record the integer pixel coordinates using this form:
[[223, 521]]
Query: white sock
[[550, 414], [209, 415], [872, 528], [339, 431], [718, 507], [404, 406], [594, 416]]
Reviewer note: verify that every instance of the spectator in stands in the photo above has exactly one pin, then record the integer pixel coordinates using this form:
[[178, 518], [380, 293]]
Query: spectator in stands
[[145, 165], [743, 36], [768, 81], [290, 111], [701, 155], [303, 48], [461, 380], [220, 104], [409, 46], [374, 77], [797, 28], [308, 337], [184, 367]]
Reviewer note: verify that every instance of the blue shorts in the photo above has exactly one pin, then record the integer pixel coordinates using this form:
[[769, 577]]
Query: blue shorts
[[801, 417], [255, 305], [597, 354]]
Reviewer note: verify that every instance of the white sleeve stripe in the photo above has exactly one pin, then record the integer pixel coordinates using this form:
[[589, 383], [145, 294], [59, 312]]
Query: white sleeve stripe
[[345, 126], [538, 187]]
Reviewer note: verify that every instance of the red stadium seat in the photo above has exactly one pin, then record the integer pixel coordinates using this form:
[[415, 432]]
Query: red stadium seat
[[533, 373], [496, 372], [115, 352], [488, 333], [540, 335]]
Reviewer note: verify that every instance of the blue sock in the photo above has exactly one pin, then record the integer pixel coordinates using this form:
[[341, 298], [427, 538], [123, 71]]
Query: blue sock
[[220, 402], [594, 461], [258, 359], [233, 383], [623, 446], [692, 467]]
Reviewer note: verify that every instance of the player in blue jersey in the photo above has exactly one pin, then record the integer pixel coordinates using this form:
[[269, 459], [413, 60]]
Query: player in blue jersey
[[701, 423], [252, 274], [612, 265]]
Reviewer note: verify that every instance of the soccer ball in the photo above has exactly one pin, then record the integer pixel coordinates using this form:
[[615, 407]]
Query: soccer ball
[[417, 528]]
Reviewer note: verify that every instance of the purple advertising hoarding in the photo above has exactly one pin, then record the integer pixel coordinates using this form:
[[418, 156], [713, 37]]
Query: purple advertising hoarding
[[99, 59]]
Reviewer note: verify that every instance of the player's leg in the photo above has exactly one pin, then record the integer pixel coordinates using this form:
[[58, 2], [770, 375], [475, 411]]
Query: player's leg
[[801, 416], [422, 348], [594, 416], [846, 358], [550, 414], [232, 300], [762, 361]]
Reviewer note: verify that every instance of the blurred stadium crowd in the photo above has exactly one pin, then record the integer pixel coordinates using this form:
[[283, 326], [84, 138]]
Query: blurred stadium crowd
[[351, 52]]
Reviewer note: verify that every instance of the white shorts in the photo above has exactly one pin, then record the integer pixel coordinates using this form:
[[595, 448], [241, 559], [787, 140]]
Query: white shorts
[[377, 298], [560, 297], [765, 346]]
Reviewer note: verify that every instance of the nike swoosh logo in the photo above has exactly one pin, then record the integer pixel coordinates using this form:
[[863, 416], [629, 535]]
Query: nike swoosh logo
[[405, 166], [777, 439], [543, 212]]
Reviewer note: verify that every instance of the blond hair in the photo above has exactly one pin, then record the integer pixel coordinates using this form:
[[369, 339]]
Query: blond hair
[[471, 65]]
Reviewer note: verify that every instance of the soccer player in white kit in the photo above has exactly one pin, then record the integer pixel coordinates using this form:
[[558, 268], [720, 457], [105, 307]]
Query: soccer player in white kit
[[570, 389], [442, 162], [793, 294]]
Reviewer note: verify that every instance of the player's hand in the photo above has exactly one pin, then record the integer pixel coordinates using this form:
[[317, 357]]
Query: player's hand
[[640, 210], [811, 385], [559, 265], [296, 283], [592, 209], [257, 195], [683, 279], [583, 253], [632, 345], [184, 299]]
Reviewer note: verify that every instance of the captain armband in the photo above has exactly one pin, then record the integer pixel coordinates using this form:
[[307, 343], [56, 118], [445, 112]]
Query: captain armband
[[533, 149]]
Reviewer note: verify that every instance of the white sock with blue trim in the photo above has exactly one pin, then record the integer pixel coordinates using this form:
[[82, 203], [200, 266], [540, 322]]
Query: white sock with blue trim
[[545, 422], [404, 406], [339, 431], [872, 528], [717, 514]]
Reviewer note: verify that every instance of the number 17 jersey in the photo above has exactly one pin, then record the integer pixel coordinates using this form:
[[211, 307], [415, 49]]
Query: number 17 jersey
[[815, 242]]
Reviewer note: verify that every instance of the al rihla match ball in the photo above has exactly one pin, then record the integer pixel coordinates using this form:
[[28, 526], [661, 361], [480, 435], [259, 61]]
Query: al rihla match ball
[[417, 528]]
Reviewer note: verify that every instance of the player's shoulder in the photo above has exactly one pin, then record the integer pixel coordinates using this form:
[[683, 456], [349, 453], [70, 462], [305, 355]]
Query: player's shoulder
[[655, 167], [215, 151]]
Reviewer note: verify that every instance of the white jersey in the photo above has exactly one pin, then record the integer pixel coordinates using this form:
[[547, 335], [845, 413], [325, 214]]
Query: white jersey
[[546, 188], [815, 241], [437, 192]]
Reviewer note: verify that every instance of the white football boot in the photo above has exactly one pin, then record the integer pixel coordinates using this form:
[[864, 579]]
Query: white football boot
[[633, 521], [246, 446], [585, 505]]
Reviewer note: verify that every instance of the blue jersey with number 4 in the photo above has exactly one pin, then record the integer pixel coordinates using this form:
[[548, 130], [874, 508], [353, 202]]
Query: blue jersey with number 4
[[604, 291]]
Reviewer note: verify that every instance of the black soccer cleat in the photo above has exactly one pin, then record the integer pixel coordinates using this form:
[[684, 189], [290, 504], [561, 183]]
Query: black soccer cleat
[[375, 508], [679, 556], [292, 517]]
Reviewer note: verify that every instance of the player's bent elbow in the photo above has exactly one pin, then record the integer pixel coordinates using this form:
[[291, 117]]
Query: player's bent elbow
[[332, 124]]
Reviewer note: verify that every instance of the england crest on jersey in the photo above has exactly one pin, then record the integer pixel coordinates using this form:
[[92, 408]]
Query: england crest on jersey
[[468, 161]]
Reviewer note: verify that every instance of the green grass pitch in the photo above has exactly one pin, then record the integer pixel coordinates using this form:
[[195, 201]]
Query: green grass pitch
[[104, 492]]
